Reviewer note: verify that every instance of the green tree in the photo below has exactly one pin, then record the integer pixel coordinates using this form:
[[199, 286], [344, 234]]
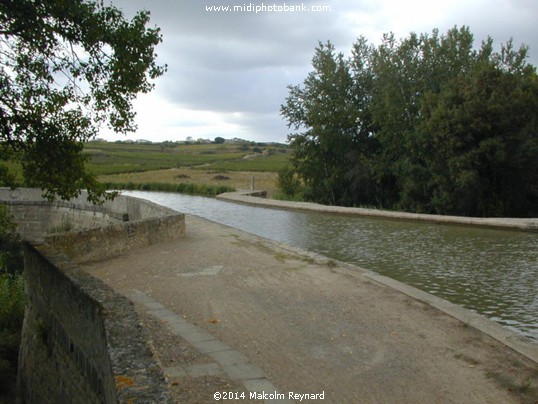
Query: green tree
[[427, 123], [405, 71], [360, 175], [288, 184], [483, 133], [66, 68], [324, 109]]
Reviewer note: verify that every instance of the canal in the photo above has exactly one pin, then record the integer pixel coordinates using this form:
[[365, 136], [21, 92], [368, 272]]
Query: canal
[[492, 272]]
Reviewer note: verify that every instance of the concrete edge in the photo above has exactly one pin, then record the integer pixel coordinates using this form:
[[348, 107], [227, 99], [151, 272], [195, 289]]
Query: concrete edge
[[507, 337], [504, 335], [127, 351], [256, 198]]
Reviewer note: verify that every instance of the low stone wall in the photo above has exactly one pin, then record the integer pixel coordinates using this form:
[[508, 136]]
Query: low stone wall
[[36, 216], [86, 232], [108, 241], [81, 341]]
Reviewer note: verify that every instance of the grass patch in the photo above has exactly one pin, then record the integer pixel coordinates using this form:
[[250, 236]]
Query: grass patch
[[118, 164], [520, 383], [331, 264], [238, 180], [192, 169], [282, 257], [262, 163]]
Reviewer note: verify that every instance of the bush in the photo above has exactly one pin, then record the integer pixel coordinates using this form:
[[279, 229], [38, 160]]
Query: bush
[[12, 303], [289, 186]]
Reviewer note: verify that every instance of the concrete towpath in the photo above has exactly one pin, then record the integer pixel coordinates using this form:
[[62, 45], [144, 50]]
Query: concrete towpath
[[272, 318]]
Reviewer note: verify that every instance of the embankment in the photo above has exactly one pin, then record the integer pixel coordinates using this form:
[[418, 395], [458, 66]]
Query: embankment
[[258, 198]]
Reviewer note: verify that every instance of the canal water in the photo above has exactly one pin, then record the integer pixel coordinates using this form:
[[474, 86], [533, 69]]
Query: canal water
[[492, 272]]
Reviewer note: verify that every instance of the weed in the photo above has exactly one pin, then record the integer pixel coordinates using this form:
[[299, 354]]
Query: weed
[[525, 385], [309, 260], [65, 226], [12, 303], [280, 256]]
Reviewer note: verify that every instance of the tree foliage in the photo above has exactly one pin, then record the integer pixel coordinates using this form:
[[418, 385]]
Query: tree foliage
[[325, 108], [67, 67], [426, 124]]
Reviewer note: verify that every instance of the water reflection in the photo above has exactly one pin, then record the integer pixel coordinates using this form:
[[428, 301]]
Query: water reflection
[[493, 272]]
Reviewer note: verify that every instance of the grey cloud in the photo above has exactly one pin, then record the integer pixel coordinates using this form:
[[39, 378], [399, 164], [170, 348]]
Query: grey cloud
[[242, 62], [236, 61], [261, 127], [257, 90]]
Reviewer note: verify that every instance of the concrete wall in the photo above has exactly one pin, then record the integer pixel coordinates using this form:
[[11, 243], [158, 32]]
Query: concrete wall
[[81, 341]]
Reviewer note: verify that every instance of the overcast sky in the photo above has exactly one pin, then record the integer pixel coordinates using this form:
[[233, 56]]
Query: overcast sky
[[228, 71]]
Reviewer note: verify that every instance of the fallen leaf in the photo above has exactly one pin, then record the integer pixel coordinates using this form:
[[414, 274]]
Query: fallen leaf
[[122, 382]]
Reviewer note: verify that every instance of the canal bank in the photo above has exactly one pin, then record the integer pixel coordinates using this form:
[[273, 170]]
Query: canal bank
[[264, 314], [257, 198], [489, 271], [497, 331]]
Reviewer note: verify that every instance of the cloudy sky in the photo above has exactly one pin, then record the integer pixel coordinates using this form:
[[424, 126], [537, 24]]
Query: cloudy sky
[[228, 71]]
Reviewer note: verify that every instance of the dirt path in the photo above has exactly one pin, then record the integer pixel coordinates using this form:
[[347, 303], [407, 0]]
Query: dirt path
[[315, 326]]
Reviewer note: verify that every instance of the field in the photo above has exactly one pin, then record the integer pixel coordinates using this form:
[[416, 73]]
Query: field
[[214, 166]]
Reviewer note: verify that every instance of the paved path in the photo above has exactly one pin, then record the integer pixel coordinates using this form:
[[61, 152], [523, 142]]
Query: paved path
[[227, 360], [275, 318]]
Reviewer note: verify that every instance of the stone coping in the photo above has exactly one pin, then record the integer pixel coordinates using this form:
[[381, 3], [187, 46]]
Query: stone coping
[[257, 198]]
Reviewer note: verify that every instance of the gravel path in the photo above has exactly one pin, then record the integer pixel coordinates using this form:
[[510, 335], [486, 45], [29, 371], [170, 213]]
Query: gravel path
[[312, 325]]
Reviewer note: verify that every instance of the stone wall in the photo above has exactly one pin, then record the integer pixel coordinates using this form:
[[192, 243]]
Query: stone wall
[[37, 217], [119, 238], [81, 341], [86, 232]]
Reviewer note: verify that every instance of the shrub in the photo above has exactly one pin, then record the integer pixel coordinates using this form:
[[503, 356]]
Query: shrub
[[12, 302], [289, 186]]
